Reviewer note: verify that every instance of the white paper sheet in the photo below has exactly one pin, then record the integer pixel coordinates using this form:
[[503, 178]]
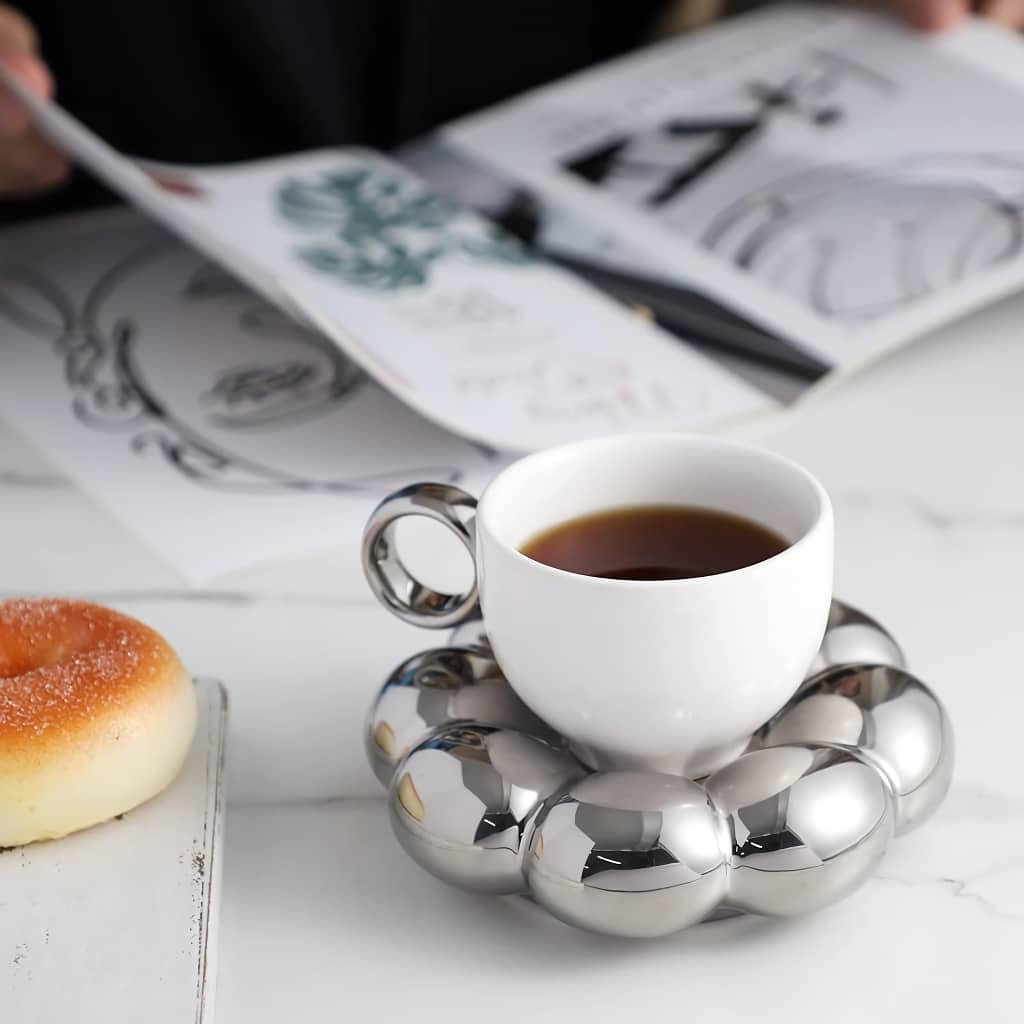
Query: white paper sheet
[[842, 180], [219, 430], [448, 314]]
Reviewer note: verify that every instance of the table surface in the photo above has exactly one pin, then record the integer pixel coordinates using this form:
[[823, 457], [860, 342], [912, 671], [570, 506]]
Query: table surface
[[323, 916]]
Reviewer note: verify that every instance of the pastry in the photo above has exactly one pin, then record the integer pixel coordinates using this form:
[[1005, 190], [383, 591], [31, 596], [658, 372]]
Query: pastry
[[97, 715]]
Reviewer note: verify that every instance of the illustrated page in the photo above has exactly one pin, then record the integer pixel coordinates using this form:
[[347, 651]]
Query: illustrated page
[[841, 179], [456, 318]]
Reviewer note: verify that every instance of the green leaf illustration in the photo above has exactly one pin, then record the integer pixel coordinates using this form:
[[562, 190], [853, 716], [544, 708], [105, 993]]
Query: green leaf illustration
[[383, 232]]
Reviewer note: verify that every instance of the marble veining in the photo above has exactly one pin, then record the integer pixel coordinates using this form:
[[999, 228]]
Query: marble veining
[[974, 854], [939, 515]]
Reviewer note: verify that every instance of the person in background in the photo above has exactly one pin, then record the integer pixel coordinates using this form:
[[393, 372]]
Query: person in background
[[211, 81]]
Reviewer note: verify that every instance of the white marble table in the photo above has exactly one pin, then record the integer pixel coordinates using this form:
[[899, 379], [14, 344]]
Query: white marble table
[[324, 919]]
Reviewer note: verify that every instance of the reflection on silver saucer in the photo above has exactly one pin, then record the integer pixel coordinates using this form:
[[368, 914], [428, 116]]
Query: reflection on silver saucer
[[808, 827], [629, 853], [889, 718], [462, 799], [435, 689], [470, 633], [853, 638]]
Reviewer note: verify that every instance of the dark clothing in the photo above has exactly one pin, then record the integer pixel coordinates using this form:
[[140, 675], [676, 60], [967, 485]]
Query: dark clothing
[[209, 81]]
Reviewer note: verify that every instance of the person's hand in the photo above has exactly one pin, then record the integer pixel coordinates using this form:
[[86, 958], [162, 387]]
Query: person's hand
[[28, 163], [937, 15]]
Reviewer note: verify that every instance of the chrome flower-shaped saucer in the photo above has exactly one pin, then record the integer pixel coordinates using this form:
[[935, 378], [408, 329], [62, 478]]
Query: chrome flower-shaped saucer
[[485, 796]]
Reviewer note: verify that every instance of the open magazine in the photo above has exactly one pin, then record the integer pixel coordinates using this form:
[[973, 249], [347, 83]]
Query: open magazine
[[455, 317], [812, 186], [840, 181]]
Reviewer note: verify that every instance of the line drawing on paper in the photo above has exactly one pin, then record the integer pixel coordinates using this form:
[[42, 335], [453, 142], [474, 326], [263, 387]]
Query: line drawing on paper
[[854, 243], [256, 395], [658, 164], [102, 353]]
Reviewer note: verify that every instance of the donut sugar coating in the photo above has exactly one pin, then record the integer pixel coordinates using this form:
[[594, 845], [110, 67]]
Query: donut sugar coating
[[97, 715]]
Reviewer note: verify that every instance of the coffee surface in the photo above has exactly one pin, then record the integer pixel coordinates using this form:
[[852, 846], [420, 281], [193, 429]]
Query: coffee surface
[[662, 542]]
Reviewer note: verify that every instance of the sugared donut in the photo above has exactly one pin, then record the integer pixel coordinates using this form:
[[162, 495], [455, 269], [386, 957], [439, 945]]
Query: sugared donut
[[97, 715]]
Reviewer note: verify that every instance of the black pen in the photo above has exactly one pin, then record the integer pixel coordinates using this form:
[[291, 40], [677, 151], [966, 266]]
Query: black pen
[[697, 319]]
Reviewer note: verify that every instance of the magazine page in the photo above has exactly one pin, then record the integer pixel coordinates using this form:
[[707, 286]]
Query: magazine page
[[612, 265], [191, 407], [453, 316], [796, 165]]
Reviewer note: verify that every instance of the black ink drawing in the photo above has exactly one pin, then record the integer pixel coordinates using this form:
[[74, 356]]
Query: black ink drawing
[[102, 350], [313, 376], [850, 242], [855, 243], [657, 165]]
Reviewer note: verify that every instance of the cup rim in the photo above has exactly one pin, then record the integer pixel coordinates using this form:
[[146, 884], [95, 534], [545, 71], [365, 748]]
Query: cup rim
[[822, 519]]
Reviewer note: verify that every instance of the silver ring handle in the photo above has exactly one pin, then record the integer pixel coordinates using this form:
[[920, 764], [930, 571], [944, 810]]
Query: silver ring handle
[[394, 586]]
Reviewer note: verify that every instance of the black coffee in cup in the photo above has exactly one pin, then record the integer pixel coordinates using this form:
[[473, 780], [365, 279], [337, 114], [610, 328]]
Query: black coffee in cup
[[663, 542]]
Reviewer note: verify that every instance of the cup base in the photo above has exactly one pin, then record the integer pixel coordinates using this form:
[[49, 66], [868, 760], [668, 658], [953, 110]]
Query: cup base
[[694, 766]]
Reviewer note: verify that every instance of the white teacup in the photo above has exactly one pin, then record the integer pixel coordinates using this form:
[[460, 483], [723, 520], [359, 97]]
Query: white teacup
[[666, 675]]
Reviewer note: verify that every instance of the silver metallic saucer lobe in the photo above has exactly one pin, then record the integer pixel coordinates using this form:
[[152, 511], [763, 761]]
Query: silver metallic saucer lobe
[[462, 801]]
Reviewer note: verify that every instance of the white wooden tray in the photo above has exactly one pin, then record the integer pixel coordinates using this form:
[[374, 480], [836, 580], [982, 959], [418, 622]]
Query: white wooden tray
[[119, 923]]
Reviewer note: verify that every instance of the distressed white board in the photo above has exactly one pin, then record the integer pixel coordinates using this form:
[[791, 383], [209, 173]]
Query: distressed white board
[[119, 922]]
